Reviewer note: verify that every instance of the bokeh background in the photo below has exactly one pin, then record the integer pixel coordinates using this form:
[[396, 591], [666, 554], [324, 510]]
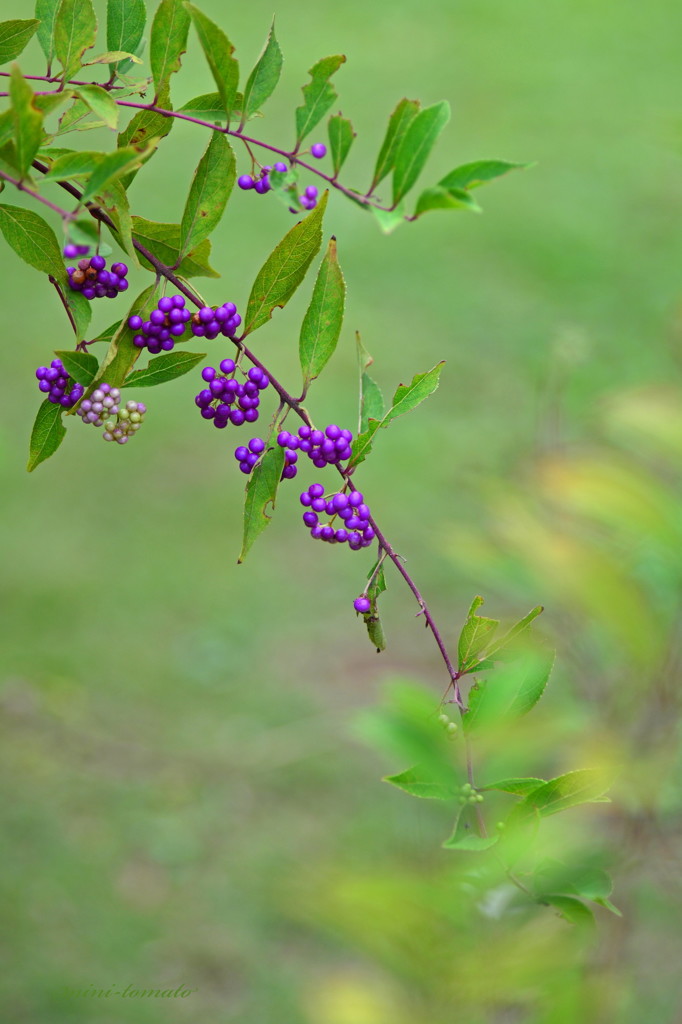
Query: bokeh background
[[189, 797]]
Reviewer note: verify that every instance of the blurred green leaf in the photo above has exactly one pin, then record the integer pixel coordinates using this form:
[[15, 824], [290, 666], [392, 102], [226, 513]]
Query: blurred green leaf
[[439, 198], [323, 320], [471, 842], [125, 27], [46, 12], [417, 143], [75, 31], [572, 910], [475, 635], [164, 241], [511, 691], [318, 95], [218, 51], [517, 630], [261, 494], [210, 189], [398, 123], [371, 398], [264, 78], [416, 782], [478, 173], [28, 120], [47, 434], [78, 163], [81, 366], [100, 102], [170, 29], [164, 368], [519, 787], [285, 268], [389, 220], [14, 36], [570, 790], [341, 137]]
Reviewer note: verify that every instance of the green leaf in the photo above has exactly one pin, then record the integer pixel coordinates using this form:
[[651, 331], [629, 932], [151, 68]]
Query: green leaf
[[81, 366], [471, 842], [264, 77], [122, 354], [14, 35], [46, 12], [100, 102], [32, 239], [163, 368], [398, 123], [76, 164], [417, 143], [322, 322], [164, 241], [108, 334], [28, 120], [208, 107], [341, 137], [114, 200], [48, 104], [81, 309], [572, 910], [125, 27], [586, 881], [519, 787], [113, 165], [113, 57], [285, 268], [371, 398], [283, 185], [478, 173], [389, 220], [168, 41], [512, 690], [416, 782], [73, 115], [210, 189], [261, 493], [520, 627], [47, 434], [475, 635], [582, 786], [145, 126], [75, 31], [375, 629], [6, 126], [406, 398], [318, 95], [218, 51], [438, 198]]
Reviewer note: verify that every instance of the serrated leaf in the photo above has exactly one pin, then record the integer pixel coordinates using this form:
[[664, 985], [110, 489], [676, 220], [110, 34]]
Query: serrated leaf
[[46, 12], [439, 198], [164, 241], [516, 630], [285, 268], [114, 165], [518, 787], [318, 95], [398, 123], [511, 692], [283, 185], [14, 36], [100, 102], [475, 635], [125, 28], [341, 136], [122, 354], [569, 790], [478, 173], [323, 320], [164, 368], [210, 189], [77, 164], [417, 143], [28, 120], [169, 33], [75, 31], [406, 398], [81, 366], [145, 126], [32, 239], [218, 51], [261, 495], [47, 434], [371, 398], [416, 782], [264, 78]]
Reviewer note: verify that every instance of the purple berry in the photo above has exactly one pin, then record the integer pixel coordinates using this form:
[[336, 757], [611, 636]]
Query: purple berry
[[97, 263], [246, 182], [362, 605], [310, 518], [318, 150], [316, 490], [279, 166], [256, 445]]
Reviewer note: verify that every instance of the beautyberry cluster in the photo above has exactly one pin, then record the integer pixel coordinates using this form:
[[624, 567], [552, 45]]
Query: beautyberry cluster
[[260, 185], [226, 400], [103, 402], [468, 795], [71, 250], [94, 281], [323, 448], [128, 421], [54, 381], [209, 322], [449, 726], [166, 323], [247, 457], [351, 508]]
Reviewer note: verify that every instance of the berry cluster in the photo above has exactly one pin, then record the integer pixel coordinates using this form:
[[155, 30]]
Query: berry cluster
[[449, 726], [260, 185], [166, 323], [247, 457], [211, 321], [128, 421], [54, 381], [323, 448], [71, 251], [226, 400], [356, 531], [91, 278], [468, 795], [102, 402]]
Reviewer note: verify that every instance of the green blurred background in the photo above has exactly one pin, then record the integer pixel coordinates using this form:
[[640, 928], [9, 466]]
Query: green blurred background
[[188, 799]]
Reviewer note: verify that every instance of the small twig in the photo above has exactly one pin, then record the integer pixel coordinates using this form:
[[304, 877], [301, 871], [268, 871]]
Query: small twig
[[62, 299]]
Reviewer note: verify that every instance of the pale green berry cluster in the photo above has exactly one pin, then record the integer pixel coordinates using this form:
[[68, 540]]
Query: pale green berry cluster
[[468, 795], [449, 726], [128, 421]]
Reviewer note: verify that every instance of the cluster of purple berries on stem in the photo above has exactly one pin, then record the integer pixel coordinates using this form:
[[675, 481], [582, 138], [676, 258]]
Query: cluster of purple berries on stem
[[102, 403], [260, 185], [329, 447], [71, 251], [53, 381], [94, 281], [227, 400], [166, 323], [356, 531]]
